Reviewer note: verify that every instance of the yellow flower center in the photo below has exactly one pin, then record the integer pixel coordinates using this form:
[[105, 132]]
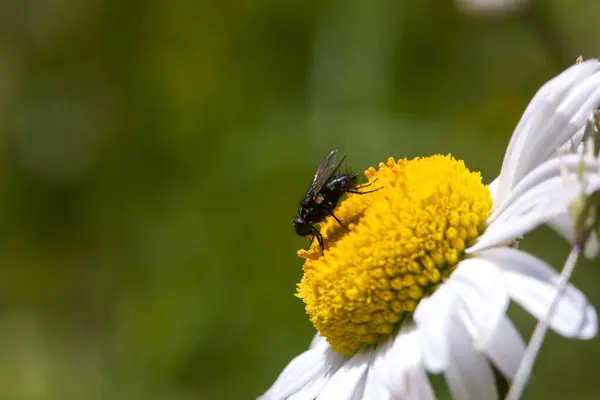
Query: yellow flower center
[[402, 242]]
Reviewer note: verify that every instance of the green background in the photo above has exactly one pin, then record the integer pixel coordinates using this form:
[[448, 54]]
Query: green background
[[153, 153]]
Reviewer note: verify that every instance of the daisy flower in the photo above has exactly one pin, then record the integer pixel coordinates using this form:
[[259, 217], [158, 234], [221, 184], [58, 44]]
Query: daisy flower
[[421, 281]]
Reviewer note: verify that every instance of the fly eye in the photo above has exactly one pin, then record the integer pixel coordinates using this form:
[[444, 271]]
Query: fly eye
[[301, 227]]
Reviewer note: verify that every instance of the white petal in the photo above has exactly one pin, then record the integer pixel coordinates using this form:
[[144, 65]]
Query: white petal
[[349, 381], [551, 128], [552, 168], [535, 207], [397, 372], [402, 370], [569, 118], [580, 103], [318, 341], [493, 187], [505, 348], [418, 386], [469, 374], [359, 391], [507, 232], [311, 390], [549, 121], [485, 300], [574, 144], [404, 373], [375, 385], [532, 283], [432, 317], [476, 283], [538, 199], [310, 369], [549, 197], [564, 225], [404, 356]]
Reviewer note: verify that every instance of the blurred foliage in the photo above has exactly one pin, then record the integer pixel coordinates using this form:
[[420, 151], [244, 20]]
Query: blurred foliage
[[152, 155]]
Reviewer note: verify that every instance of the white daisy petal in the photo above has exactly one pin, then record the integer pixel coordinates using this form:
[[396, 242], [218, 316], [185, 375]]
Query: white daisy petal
[[308, 369], [403, 355], [432, 318], [468, 374], [318, 341], [552, 168], [564, 225], [480, 285], [349, 381], [511, 230], [572, 318], [548, 198], [359, 390], [418, 386], [493, 187], [551, 92], [532, 283], [570, 117], [312, 389], [543, 196], [397, 371], [548, 122], [505, 348], [534, 208], [574, 144], [403, 371], [578, 105], [375, 385]]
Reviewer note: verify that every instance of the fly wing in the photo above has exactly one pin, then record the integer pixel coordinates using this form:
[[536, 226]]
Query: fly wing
[[324, 172]]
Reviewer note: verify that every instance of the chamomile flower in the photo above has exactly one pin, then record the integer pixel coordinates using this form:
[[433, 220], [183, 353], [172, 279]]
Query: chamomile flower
[[421, 281]]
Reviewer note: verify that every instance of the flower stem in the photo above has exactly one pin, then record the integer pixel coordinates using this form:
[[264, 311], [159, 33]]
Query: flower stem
[[524, 371]]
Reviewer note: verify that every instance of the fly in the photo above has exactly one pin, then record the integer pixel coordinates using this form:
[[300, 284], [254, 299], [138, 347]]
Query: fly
[[323, 195]]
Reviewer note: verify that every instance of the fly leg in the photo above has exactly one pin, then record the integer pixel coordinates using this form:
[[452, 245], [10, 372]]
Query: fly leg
[[364, 186], [368, 191], [339, 222], [317, 234], [367, 184]]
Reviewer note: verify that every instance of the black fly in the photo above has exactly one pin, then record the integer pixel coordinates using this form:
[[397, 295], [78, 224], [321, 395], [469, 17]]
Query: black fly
[[323, 196]]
